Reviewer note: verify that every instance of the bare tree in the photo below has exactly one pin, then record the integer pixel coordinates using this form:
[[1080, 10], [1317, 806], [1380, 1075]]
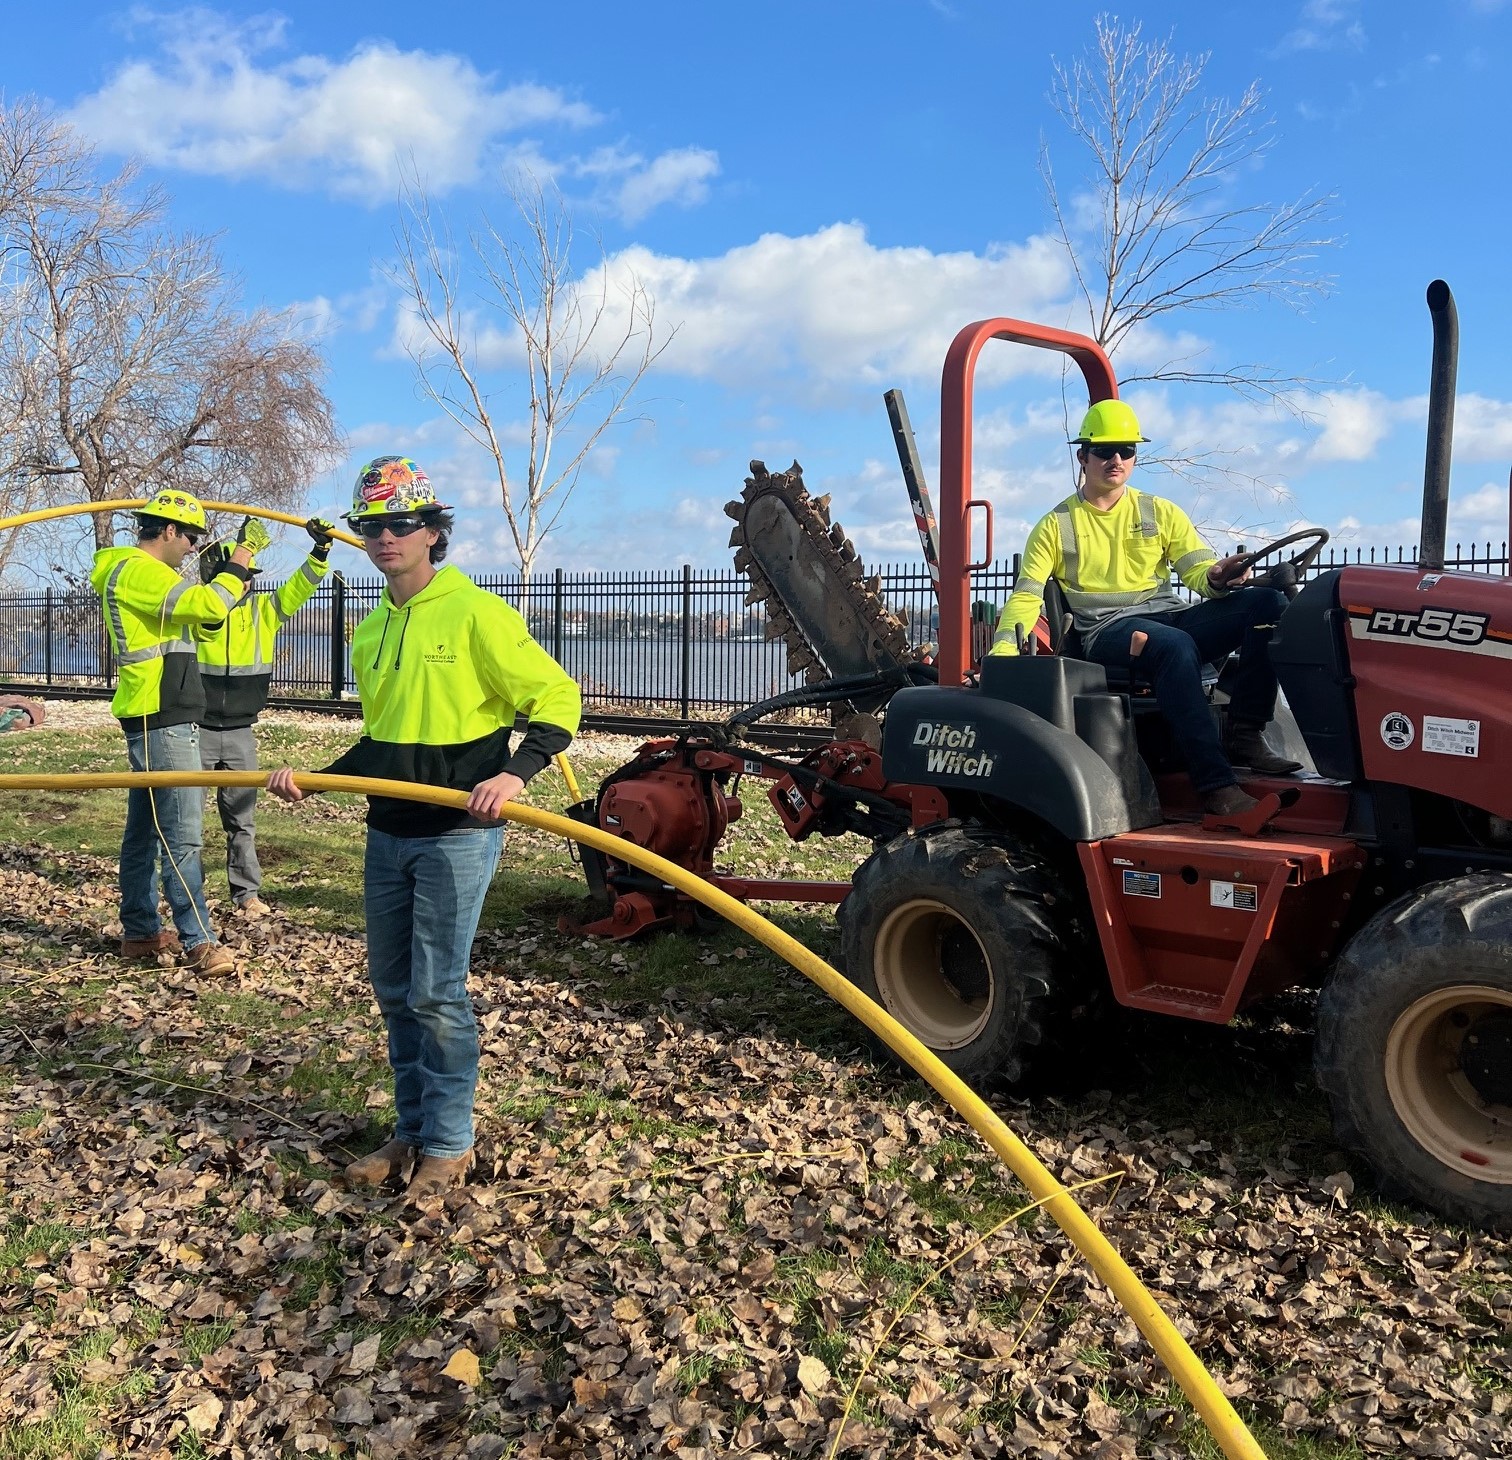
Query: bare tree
[[505, 324], [126, 362], [1158, 228]]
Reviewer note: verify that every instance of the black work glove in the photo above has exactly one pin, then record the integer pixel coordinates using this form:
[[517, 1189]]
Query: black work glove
[[322, 534]]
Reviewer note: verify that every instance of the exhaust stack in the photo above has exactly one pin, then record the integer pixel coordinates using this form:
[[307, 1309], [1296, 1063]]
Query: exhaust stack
[[1441, 383]]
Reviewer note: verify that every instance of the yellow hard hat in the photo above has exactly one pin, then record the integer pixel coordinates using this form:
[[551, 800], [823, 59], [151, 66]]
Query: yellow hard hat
[[175, 506], [392, 484], [1108, 422]]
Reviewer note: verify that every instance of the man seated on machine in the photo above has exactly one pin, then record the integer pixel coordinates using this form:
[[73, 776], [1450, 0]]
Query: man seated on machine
[[1112, 550]]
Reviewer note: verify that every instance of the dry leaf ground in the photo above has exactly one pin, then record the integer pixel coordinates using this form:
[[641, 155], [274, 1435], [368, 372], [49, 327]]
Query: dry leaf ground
[[700, 1210]]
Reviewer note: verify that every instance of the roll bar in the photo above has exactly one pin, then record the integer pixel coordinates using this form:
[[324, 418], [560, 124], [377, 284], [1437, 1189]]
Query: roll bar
[[956, 501]]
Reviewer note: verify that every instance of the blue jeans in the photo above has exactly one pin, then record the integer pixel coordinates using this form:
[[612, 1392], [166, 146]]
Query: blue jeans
[[164, 825], [422, 897], [1179, 644]]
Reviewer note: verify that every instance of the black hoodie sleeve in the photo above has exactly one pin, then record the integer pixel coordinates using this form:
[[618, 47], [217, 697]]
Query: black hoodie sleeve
[[539, 743]]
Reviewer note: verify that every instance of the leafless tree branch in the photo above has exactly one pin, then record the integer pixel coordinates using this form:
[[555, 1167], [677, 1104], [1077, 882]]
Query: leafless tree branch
[[1157, 229], [504, 318], [126, 362]]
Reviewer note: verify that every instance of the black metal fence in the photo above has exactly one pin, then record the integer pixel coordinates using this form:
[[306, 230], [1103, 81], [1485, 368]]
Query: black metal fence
[[661, 642]]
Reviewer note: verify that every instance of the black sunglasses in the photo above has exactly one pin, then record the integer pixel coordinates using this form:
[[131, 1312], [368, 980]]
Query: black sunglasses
[[189, 535], [373, 528], [1107, 453]]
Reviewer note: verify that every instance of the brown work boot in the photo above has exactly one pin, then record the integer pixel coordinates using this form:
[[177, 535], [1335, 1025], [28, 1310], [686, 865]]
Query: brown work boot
[[1245, 746], [1228, 801], [163, 941], [437, 1174], [253, 907], [384, 1164], [210, 958]]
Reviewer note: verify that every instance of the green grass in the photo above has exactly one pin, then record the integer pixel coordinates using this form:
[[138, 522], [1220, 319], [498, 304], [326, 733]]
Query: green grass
[[78, 1424], [24, 1240]]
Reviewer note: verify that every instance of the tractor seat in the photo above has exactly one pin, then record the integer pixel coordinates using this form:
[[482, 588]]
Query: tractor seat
[[1065, 641]]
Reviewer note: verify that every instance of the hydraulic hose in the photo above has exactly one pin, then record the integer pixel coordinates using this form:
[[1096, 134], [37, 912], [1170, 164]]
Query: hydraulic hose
[[1220, 1417], [131, 504]]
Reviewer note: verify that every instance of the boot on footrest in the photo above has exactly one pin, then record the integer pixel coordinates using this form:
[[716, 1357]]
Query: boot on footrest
[[1228, 801], [1245, 746]]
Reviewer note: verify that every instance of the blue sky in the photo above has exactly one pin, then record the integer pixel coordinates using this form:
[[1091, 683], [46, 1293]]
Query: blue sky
[[819, 195]]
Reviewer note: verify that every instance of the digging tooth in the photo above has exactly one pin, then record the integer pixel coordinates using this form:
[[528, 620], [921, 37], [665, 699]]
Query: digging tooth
[[735, 509], [773, 629], [822, 507], [757, 595], [758, 471], [737, 536], [874, 584], [836, 535], [798, 659], [742, 559]]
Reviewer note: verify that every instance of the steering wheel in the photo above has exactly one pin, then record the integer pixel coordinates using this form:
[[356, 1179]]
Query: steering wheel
[[1287, 576]]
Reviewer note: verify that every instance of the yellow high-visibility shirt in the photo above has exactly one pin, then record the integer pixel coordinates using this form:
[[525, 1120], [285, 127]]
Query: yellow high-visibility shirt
[[1110, 565]]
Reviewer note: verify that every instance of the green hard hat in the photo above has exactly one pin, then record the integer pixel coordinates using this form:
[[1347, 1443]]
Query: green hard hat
[[1108, 422]]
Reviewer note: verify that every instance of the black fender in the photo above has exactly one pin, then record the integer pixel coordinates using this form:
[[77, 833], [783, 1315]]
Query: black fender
[[961, 739]]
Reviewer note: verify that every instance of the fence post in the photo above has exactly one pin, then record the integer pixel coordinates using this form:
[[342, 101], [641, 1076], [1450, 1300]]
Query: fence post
[[338, 636], [557, 615], [47, 637], [687, 638]]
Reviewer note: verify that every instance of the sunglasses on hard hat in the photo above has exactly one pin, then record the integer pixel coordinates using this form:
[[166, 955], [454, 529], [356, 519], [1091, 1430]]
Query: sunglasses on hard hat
[[1107, 453], [373, 528]]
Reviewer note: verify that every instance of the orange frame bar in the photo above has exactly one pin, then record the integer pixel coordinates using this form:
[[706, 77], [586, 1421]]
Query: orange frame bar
[[955, 463]]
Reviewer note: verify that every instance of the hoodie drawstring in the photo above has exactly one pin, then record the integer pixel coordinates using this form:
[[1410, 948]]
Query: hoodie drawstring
[[403, 630], [383, 637]]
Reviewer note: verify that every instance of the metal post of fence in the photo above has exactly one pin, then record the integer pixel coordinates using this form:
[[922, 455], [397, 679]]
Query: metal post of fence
[[338, 636], [47, 623], [558, 602], [687, 639]]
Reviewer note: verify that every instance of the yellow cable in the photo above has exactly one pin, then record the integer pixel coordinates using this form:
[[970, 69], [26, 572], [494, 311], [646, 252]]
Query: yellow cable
[[131, 504], [1220, 1417], [562, 764]]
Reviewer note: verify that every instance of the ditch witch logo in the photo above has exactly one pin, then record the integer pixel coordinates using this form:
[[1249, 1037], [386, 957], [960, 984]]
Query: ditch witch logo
[[950, 749]]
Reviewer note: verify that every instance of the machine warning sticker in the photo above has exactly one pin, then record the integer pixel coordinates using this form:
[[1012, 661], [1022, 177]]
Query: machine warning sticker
[[1141, 884], [1238, 896], [1443, 736], [1397, 731]]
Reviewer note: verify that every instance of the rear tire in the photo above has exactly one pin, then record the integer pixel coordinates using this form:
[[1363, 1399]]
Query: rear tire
[[1415, 1048], [960, 936]]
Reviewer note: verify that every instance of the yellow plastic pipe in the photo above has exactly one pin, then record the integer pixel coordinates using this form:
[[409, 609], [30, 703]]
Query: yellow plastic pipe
[[1199, 1386], [563, 765], [131, 504]]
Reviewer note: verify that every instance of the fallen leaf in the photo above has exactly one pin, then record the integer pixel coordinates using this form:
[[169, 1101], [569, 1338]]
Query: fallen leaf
[[463, 1367]]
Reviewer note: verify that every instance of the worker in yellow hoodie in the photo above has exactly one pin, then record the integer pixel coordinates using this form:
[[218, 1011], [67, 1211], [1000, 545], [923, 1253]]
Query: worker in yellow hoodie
[[150, 613], [443, 668], [236, 666], [1113, 550]]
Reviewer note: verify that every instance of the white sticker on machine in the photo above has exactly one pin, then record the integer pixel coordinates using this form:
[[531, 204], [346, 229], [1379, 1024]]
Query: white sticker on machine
[[1397, 732], [1443, 736], [1238, 896]]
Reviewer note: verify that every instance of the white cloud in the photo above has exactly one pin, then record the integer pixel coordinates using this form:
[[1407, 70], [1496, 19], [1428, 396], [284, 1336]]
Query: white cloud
[[633, 187], [835, 309], [1354, 423], [1325, 25], [215, 101]]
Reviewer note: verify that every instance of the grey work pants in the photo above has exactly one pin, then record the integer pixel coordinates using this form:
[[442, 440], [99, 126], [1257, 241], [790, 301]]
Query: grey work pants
[[235, 750]]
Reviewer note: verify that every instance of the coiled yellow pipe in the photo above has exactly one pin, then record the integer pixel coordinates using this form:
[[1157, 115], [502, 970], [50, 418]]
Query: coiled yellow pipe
[[132, 504], [1223, 1423]]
